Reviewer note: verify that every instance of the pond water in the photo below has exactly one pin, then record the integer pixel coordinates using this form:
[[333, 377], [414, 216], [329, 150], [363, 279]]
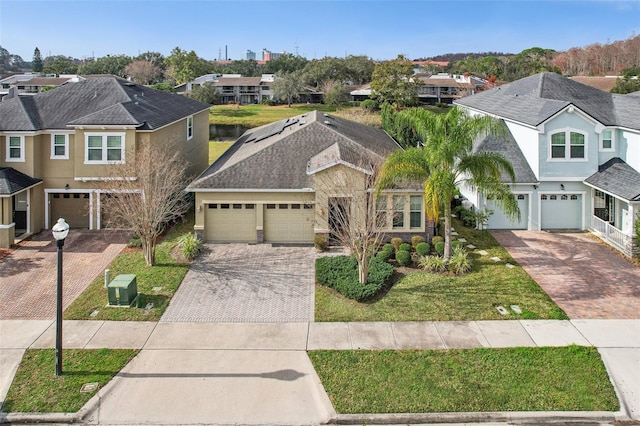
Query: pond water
[[226, 132]]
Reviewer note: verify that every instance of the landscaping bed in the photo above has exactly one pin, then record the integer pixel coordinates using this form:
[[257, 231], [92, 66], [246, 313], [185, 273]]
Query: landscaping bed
[[421, 296]]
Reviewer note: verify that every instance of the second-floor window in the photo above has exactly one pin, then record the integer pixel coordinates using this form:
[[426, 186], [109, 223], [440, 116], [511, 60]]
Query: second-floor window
[[568, 145], [15, 148], [607, 142], [189, 127], [60, 147], [103, 148]]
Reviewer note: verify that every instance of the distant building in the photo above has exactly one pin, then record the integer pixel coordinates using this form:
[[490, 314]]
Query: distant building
[[268, 55], [250, 55]]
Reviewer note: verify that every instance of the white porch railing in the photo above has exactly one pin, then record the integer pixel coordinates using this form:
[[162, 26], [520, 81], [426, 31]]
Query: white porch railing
[[608, 232]]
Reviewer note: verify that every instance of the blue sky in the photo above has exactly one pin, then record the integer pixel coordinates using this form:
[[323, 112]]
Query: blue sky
[[380, 29]]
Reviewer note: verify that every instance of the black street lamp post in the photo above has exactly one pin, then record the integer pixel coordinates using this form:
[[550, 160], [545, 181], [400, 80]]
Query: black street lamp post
[[60, 231]]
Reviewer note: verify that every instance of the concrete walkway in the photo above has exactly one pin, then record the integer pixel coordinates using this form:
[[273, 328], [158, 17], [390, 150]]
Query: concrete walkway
[[213, 366]]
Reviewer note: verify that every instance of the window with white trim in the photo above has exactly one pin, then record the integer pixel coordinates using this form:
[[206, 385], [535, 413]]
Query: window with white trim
[[398, 211], [568, 145], [415, 213], [190, 127], [607, 141], [60, 147], [15, 148], [104, 148]]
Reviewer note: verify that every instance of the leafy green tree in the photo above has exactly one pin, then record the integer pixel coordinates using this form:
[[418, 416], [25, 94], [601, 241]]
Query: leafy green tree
[[244, 67], [60, 65], [529, 62], [183, 66], [358, 69], [205, 93], [392, 82], [112, 65], [286, 62], [626, 85], [156, 58], [336, 93], [397, 129], [318, 71], [37, 64], [288, 86], [447, 160]]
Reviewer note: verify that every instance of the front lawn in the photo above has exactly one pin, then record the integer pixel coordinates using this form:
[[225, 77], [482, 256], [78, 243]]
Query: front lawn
[[259, 115], [421, 296], [514, 379], [156, 284], [36, 388]]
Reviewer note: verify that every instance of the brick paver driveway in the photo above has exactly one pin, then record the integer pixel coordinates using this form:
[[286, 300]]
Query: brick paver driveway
[[584, 277], [28, 275], [247, 283]]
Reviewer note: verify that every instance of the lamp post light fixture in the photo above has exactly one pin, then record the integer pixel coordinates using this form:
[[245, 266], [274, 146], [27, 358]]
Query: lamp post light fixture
[[60, 231]]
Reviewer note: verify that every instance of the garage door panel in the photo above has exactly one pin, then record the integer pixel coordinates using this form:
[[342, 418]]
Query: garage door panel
[[288, 223], [230, 222], [73, 207], [499, 220], [561, 211]]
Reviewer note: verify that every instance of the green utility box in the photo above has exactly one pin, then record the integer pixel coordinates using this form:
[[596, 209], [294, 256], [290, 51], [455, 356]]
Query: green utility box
[[123, 290]]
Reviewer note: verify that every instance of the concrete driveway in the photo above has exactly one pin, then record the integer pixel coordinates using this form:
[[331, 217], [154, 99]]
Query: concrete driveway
[[584, 277], [247, 283], [28, 275]]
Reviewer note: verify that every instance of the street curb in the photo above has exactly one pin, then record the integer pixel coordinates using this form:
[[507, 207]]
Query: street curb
[[41, 418], [520, 417]]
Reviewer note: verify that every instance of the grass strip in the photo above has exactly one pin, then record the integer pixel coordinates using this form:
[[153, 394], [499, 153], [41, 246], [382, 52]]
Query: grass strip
[[156, 284], [475, 380], [36, 388], [216, 149], [422, 296]]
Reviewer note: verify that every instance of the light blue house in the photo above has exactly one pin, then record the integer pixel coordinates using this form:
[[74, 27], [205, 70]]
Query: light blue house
[[576, 153]]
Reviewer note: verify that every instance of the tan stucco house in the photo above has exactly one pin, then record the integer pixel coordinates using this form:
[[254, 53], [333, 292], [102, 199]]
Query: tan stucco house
[[278, 183], [55, 147]]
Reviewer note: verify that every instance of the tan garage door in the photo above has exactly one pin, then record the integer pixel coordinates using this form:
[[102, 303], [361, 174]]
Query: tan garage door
[[229, 222], [288, 223], [73, 207]]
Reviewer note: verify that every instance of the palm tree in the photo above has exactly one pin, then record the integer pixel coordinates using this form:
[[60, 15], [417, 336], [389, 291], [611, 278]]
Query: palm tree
[[447, 160]]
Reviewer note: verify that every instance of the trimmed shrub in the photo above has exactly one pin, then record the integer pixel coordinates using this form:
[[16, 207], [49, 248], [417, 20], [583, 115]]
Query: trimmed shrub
[[384, 255], [423, 248], [437, 239], [321, 243], [456, 245], [416, 239], [460, 263], [433, 264], [190, 246], [134, 242], [388, 247], [341, 274], [369, 104], [403, 257], [405, 247], [395, 242], [439, 248]]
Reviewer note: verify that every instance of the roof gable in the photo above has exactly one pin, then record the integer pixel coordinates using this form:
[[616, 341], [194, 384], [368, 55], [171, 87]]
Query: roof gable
[[618, 178], [13, 181]]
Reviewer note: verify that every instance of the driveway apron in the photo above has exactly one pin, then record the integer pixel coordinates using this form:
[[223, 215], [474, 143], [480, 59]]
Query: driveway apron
[[582, 276], [28, 275], [247, 283]]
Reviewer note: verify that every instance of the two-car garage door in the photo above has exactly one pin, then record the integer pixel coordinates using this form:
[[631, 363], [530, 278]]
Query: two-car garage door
[[237, 222]]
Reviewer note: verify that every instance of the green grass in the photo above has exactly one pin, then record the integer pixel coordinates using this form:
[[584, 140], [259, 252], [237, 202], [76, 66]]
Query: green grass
[[513, 379], [167, 274], [258, 115], [36, 388], [216, 149], [421, 296]]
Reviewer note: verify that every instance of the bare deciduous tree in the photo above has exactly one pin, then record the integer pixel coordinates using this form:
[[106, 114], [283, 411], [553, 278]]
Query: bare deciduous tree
[[143, 72], [146, 193], [352, 214]]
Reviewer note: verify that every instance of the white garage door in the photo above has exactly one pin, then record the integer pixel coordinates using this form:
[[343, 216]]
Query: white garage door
[[288, 223], [561, 211], [229, 222], [499, 220]]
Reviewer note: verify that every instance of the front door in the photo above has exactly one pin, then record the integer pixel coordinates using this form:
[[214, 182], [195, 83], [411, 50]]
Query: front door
[[338, 218], [20, 206]]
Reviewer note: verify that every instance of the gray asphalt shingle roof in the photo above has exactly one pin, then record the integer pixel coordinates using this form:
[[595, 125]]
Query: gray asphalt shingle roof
[[533, 100], [618, 178], [12, 181], [276, 156], [104, 100], [509, 149]]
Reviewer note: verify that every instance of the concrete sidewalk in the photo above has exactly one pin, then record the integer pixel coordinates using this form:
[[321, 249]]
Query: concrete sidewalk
[[226, 373]]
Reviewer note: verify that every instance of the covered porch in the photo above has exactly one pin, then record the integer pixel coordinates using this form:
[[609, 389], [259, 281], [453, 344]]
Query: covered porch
[[616, 205], [16, 199]]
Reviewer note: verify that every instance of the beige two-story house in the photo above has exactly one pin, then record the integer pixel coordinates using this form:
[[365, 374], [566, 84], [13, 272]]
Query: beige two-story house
[[55, 148]]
